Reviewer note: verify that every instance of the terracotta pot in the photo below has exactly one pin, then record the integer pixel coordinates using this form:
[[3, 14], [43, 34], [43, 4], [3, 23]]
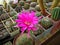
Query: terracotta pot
[[56, 25]]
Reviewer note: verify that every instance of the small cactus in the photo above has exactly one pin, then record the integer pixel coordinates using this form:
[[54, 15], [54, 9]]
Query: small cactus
[[33, 4], [21, 3], [18, 8], [46, 23], [13, 5], [26, 6], [37, 7], [38, 14], [24, 40], [1, 10], [34, 0]]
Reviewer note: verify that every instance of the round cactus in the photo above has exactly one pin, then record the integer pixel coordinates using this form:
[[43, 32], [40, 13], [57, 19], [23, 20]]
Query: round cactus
[[21, 3], [38, 32], [1, 10], [12, 13], [46, 23], [32, 9], [13, 5], [38, 14], [56, 13], [34, 0], [26, 6], [33, 4], [24, 40], [18, 8], [28, 1], [37, 7]]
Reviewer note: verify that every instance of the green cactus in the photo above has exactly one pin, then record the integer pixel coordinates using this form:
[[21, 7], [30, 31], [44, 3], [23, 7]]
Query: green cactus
[[38, 32], [37, 7], [34, 0], [26, 6], [13, 5], [56, 13], [38, 14], [46, 23], [33, 4], [1, 10], [24, 40], [54, 4], [21, 3]]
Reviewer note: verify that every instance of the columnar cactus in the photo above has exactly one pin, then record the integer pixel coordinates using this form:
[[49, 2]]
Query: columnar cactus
[[41, 4], [56, 13], [54, 3]]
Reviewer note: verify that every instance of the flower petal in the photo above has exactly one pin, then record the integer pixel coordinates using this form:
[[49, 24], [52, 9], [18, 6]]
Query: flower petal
[[23, 29], [34, 28], [31, 25]]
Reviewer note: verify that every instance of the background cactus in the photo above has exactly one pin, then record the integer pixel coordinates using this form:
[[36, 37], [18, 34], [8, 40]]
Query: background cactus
[[56, 13], [38, 14], [13, 5], [33, 4], [34, 0], [24, 40], [21, 3], [37, 7], [26, 6], [46, 23], [1, 10], [55, 3]]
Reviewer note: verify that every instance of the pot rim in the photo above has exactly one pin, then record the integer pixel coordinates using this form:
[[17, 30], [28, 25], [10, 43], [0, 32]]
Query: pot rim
[[14, 40]]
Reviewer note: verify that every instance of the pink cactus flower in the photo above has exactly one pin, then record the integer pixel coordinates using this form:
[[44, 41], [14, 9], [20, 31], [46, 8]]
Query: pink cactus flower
[[27, 21]]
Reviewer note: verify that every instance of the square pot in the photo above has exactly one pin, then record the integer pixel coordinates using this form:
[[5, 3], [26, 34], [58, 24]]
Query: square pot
[[13, 30], [8, 22]]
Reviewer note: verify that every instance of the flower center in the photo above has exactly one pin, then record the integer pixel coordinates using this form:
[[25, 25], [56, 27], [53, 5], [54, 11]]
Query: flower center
[[27, 23]]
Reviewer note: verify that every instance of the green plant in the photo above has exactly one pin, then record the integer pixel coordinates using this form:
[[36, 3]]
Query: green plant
[[38, 32], [33, 4], [37, 7], [32, 9], [18, 8], [46, 23], [56, 13], [28, 1], [21, 3], [12, 13], [26, 6], [34, 0], [24, 40], [13, 5], [1, 10], [38, 14], [8, 43]]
